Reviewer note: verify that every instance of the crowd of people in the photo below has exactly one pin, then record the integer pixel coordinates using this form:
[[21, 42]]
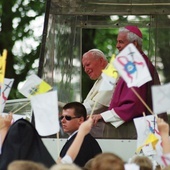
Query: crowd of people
[[112, 117], [70, 161]]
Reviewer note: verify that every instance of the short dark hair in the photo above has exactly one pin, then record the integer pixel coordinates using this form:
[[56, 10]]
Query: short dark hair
[[80, 110]]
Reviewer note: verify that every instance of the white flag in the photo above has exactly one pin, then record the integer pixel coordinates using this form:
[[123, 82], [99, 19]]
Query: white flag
[[132, 67], [107, 83], [161, 98], [5, 90], [33, 86], [45, 107], [131, 166], [147, 132], [109, 76], [163, 160]]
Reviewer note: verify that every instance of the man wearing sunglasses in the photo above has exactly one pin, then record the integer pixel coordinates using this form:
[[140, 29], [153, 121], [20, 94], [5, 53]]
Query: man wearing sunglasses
[[73, 115]]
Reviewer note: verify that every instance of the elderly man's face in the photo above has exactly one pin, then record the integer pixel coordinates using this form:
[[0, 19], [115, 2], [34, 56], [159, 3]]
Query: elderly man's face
[[93, 66], [122, 41]]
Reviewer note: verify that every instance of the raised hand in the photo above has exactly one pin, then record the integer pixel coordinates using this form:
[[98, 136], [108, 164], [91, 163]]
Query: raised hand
[[5, 121]]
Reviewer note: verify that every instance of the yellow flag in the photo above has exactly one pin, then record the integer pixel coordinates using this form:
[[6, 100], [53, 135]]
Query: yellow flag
[[150, 139], [43, 87], [2, 65], [110, 70]]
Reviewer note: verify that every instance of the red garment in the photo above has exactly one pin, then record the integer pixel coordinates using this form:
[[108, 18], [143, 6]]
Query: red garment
[[125, 103]]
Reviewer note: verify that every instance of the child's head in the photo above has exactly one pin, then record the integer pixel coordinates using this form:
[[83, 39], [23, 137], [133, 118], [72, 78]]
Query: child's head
[[26, 165], [144, 162], [107, 161]]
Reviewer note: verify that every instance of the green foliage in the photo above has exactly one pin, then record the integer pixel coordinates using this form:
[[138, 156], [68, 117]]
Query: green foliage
[[155, 39], [17, 16], [105, 40], [15, 31]]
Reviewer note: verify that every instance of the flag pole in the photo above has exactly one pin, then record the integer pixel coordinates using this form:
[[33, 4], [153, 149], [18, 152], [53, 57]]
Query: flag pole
[[93, 108], [142, 100], [21, 107], [26, 103], [58, 145]]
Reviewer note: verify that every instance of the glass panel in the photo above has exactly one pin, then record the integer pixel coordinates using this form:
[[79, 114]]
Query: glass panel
[[155, 29], [110, 7], [62, 68], [21, 108], [77, 26]]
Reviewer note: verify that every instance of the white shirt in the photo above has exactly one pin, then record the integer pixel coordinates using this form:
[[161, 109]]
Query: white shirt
[[111, 117], [97, 98]]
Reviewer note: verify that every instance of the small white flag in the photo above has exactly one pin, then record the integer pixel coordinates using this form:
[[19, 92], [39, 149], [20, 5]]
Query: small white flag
[[132, 67], [147, 131], [107, 83], [5, 90], [163, 160], [161, 98], [33, 86], [131, 166], [45, 107]]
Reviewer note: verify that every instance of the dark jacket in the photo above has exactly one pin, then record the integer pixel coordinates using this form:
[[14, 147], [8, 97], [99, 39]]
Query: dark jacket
[[22, 142], [88, 150]]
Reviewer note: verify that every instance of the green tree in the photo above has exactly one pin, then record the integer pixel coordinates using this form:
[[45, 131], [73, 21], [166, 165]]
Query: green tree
[[16, 17]]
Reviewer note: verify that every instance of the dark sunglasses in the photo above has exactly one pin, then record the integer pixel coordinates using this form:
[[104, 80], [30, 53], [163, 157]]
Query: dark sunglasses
[[68, 117]]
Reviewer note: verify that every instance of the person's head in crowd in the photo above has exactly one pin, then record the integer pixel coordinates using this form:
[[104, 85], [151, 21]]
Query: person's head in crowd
[[65, 167], [94, 61], [158, 167], [88, 164], [26, 165], [107, 161], [144, 162], [73, 115], [129, 34]]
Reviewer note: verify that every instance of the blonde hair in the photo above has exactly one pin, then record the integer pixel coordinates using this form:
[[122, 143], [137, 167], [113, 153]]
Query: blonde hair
[[26, 165], [65, 167], [88, 164], [144, 162], [107, 161]]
